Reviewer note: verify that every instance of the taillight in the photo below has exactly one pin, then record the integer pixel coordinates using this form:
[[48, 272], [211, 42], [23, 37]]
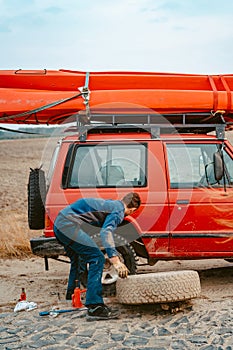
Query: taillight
[[48, 222], [48, 230]]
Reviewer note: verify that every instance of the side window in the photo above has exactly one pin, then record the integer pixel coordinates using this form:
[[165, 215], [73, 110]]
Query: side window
[[228, 162], [191, 165], [108, 166]]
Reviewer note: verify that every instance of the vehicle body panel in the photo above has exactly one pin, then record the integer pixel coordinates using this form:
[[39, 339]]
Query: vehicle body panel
[[171, 222]]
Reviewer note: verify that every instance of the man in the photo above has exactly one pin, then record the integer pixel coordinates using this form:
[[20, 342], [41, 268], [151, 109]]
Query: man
[[71, 226]]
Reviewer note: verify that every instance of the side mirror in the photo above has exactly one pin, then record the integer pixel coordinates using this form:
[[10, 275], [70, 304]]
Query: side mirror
[[218, 166]]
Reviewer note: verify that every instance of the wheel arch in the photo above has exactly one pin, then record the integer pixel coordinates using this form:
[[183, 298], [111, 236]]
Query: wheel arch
[[131, 235]]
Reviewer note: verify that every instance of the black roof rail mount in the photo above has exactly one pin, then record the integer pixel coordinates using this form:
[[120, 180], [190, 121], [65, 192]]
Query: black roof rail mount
[[156, 124]]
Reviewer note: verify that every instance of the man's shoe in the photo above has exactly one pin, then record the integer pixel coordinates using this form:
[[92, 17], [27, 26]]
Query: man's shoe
[[101, 312]]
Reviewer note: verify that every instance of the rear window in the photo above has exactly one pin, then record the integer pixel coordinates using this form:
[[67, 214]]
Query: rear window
[[107, 166]]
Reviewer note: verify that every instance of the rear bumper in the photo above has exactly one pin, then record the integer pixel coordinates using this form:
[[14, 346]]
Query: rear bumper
[[46, 247]]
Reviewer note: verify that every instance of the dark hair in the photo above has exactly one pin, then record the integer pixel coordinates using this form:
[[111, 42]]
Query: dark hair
[[132, 200]]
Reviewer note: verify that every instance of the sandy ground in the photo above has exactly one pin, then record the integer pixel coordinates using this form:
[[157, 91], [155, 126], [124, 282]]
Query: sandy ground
[[49, 286]]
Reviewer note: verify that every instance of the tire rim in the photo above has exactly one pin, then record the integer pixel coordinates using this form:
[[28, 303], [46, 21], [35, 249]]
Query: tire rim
[[109, 275]]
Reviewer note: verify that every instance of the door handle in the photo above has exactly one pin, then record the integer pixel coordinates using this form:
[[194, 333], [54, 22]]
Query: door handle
[[182, 201]]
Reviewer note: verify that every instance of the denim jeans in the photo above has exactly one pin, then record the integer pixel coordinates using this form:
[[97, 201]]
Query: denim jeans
[[84, 248], [77, 267]]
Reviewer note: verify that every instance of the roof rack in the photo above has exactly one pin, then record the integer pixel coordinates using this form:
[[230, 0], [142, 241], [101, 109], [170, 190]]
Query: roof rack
[[156, 124]]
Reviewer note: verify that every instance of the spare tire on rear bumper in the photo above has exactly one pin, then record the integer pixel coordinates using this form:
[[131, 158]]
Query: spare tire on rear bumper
[[158, 287], [36, 199]]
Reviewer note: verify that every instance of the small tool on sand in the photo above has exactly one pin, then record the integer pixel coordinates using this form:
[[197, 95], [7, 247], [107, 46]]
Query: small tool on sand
[[62, 311]]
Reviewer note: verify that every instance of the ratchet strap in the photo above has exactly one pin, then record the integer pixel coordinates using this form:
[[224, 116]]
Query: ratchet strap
[[19, 131], [86, 95], [42, 108]]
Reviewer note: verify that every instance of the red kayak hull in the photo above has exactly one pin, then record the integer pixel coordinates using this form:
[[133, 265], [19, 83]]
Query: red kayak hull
[[62, 80], [110, 92]]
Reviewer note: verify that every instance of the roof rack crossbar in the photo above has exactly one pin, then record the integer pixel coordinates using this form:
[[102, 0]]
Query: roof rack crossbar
[[155, 129], [153, 123]]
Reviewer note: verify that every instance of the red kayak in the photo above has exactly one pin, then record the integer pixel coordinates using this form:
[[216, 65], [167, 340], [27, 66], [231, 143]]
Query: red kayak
[[50, 96], [66, 80]]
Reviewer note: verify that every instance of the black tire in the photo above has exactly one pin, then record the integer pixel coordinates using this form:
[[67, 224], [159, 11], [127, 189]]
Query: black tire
[[36, 199], [127, 256]]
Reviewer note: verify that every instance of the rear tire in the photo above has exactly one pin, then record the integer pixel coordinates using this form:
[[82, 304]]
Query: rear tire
[[126, 254], [36, 199]]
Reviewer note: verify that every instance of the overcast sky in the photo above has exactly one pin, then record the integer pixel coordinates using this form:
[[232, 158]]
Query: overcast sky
[[190, 36]]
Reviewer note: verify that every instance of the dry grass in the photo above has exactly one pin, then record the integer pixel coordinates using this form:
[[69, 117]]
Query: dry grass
[[14, 243], [17, 156]]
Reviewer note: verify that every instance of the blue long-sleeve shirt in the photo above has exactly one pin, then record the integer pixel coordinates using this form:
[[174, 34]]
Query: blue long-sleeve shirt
[[107, 214]]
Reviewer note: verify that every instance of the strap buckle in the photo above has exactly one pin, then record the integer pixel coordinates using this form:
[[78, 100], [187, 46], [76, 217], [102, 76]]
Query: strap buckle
[[86, 95]]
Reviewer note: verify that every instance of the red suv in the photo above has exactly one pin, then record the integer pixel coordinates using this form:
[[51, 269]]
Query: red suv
[[183, 175]]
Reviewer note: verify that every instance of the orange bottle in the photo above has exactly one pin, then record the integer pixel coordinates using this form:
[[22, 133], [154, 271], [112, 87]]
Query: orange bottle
[[22, 295]]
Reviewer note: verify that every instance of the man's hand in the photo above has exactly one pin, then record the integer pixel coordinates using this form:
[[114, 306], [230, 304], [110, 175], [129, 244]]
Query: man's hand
[[120, 267]]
